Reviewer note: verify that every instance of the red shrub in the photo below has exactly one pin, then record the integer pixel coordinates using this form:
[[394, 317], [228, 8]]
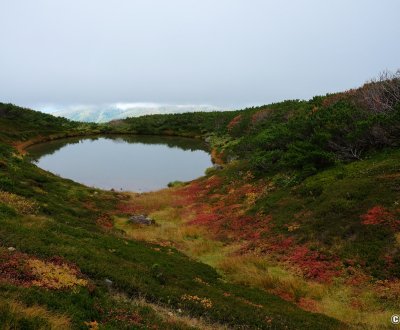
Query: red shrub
[[308, 304], [378, 215], [314, 264], [13, 268], [335, 98], [260, 116], [204, 219], [234, 122]]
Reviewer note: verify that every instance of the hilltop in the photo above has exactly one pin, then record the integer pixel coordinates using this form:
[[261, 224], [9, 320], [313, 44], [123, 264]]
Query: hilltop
[[298, 230]]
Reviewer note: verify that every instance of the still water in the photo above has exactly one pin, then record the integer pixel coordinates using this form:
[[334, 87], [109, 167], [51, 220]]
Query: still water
[[131, 163]]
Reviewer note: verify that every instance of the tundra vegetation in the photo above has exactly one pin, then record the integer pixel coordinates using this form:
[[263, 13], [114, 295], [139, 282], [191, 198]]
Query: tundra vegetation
[[298, 229]]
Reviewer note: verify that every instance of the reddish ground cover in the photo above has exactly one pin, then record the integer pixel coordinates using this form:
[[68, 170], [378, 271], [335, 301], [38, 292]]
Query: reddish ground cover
[[55, 273], [378, 215], [234, 122], [226, 216]]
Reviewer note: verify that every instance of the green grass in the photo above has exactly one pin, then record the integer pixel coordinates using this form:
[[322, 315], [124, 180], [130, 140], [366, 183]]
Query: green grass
[[65, 226], [11, 318], [335, 200], [306, 150]]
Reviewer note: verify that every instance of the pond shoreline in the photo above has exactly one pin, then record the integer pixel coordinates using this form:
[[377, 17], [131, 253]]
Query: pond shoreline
[[22, 146], [123, 162]]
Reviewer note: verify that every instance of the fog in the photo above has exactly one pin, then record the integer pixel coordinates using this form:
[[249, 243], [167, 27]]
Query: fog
[[226, 53]]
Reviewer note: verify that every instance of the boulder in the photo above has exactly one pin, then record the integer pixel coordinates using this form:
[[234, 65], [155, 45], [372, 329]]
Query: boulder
[[141, 219]]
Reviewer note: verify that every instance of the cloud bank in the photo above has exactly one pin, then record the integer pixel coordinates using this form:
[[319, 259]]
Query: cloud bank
[[106, 112]]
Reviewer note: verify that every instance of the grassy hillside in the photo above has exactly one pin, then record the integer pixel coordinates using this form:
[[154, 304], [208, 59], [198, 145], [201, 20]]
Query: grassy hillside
[[299, 230], [297, 137], [307, 205], [64, 265]]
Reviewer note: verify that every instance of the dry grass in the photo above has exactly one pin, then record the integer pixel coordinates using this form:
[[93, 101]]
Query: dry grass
[[358, 307], [19, 204], [35, 221], [53, 276], [19, 311], [172, 227], [369, 315], [153, 201], [257, 271], [171, 231], [397, 235]]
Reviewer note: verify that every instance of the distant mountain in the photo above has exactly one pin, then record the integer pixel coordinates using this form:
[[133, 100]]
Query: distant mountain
[[101, 114]]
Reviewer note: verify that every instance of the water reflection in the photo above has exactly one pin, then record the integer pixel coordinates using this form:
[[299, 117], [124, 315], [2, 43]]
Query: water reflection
[[136, 163]]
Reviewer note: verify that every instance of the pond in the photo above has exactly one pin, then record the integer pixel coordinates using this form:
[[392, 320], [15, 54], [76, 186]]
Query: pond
[[128, 163]]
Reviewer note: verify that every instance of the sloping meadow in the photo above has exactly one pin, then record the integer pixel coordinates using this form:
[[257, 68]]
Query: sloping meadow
[[59, 256]]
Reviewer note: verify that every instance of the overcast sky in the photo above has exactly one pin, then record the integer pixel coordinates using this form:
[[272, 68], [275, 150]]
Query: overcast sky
[[229, 53]]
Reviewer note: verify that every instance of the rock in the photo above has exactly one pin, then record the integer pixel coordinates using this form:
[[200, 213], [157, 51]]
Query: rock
[[109, 284], [217, 167], [11, 249], [207, 139], [141, 219]]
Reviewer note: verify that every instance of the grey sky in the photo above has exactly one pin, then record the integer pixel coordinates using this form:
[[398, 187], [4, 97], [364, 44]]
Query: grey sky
[[229, 53]]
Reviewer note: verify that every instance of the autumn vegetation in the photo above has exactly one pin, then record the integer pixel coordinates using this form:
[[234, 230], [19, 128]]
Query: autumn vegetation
[[300, 229]]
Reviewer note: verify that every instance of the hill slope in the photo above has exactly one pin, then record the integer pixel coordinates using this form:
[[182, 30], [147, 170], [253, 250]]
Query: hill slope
[[305, 208], [308, 200], [63, 265]]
